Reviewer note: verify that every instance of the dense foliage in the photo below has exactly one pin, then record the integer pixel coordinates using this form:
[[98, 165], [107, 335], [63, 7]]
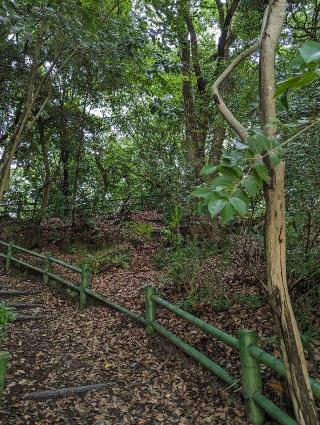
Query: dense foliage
[[118, 115]]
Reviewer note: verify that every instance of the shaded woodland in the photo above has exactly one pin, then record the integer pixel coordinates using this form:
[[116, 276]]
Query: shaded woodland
[[173, 143]]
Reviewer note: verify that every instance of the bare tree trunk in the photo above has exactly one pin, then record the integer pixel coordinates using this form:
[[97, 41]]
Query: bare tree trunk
[[187, 89], [30, 98], [275, 239], [202, 100], [14, 142], [46, 164]]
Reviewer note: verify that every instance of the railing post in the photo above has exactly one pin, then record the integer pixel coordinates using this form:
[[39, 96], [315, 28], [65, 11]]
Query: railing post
[[47, 268], [84, 284], [4, 357], [251, 376], [9, 255], [150, 308]]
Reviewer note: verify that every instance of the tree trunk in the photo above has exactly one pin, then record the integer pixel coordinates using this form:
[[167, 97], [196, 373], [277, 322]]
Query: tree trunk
[[29, 101], [275, 239], [187, 89], [46, 164], [11, 150]]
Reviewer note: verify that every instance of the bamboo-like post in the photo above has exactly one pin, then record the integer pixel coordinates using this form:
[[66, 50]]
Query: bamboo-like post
[[251, 376], [9, 255], [84, 285], [47, 268], [4, 358], [150, 308]]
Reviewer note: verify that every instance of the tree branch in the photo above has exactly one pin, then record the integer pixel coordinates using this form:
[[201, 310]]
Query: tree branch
[[224, 110]]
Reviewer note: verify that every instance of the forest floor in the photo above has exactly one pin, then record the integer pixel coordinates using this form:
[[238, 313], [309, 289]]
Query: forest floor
[[149, 381]]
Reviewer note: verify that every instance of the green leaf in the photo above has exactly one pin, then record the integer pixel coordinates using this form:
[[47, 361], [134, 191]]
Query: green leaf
[[243, 196], [215, 206], [213, 196], [222, 182], [201, 208], [201, 192], [207, 169], [227, 213], [284, 99], [258, 143], [249, 154], [230, 171], [262, 170], [238, 205], [297, 82], [258, 179], [250, 184], [310, 51], [297, 63], [240, 146], [306, 79], [274, 157]]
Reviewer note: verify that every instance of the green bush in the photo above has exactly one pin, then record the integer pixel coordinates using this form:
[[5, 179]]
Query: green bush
[[188, 252], [107, 258], [6, 315], [143, 230], [253, 301], [182, 264], [213, 294]]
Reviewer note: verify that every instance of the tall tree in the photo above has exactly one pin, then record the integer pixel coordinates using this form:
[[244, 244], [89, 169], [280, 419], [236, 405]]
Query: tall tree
[[275, 235], [230, 195]]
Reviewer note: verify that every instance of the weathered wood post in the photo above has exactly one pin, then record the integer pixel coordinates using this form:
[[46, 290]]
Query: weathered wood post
[[47, 268], [150, 308], [4, 357], [9, 255], [84, 284], [251, 376]]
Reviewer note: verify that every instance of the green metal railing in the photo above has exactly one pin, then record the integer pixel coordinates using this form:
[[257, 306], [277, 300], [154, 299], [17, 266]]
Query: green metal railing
[[251, 356]]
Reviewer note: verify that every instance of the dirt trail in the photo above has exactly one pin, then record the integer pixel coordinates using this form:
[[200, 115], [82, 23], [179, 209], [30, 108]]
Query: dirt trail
[[150, 382]]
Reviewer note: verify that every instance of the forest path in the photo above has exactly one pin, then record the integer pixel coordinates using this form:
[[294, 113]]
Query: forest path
[[150, 382]]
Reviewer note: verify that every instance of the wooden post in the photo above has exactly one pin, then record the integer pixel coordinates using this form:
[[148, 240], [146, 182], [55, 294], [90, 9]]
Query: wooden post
[[84, 284], [251, 376], [47, 268], [150, 308], [4, 357], [9, 255]]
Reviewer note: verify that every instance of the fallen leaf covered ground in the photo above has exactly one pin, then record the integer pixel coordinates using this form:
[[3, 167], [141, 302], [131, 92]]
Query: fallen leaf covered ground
[[151, 382]]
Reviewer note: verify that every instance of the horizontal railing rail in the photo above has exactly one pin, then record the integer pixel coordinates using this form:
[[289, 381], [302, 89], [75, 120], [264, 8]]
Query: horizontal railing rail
[[251, 356], [211, 330]]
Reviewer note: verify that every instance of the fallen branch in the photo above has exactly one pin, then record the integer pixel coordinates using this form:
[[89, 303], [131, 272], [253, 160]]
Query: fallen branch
[[25, 318], [38, 395]]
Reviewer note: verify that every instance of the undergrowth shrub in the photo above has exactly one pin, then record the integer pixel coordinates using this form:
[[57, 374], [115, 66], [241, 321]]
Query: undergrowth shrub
[[183, 271], [6, 315], [118, 256], [141, 230], [253, 301], [190, 251], [210, 292]]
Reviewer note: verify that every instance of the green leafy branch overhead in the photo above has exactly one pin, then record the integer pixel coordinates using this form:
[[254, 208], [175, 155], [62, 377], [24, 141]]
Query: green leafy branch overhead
[[306, 65], [241, 173], [238, 178]]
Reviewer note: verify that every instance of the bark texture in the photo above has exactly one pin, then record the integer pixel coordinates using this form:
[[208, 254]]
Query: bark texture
[[275, 239]]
